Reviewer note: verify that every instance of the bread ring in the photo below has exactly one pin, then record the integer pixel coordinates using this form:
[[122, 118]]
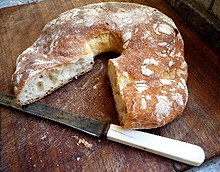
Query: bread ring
[[148, 79]]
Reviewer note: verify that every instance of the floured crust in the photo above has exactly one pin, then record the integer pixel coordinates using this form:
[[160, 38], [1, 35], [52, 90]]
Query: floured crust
[[148, 79]]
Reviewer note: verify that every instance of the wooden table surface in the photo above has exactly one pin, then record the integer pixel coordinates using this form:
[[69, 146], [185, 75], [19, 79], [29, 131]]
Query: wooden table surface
[[34, 144]]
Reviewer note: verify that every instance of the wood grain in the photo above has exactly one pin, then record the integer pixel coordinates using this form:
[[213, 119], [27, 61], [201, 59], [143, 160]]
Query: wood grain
[[33, 144]]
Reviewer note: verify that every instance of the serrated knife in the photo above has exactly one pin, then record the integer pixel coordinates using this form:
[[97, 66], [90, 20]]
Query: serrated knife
[[177, 150]]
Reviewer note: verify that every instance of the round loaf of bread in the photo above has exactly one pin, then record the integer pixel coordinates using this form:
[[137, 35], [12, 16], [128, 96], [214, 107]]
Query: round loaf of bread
[[148, 79]]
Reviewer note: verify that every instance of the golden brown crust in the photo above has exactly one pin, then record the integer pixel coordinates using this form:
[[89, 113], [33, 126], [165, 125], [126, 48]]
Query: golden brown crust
[[148, 79]]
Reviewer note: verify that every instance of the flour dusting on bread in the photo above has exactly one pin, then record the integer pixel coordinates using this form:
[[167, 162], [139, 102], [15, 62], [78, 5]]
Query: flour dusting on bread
[[148, 79]]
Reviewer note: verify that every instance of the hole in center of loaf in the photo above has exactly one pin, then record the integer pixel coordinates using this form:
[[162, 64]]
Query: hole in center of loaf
[[108, 55], [106, 42]]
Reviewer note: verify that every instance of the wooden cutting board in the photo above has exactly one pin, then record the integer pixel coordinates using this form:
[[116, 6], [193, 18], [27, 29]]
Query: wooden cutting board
[[33, 144]]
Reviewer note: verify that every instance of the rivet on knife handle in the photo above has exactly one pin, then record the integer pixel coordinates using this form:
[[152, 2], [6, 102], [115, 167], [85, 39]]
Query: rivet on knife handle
[[173, 149]]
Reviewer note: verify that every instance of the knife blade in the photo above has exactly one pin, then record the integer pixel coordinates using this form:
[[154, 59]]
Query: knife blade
[[177, 150]]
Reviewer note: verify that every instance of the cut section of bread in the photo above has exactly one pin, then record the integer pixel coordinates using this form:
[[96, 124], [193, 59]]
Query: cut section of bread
[[148, 79]]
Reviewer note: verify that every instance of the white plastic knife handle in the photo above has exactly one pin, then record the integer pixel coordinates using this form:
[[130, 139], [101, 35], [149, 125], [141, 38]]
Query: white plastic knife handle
[[173, 149]]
